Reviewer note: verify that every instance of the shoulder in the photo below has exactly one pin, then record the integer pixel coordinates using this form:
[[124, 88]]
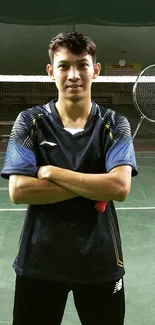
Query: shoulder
[[28, 115], [111, 115], [33, 111], [116, 121]]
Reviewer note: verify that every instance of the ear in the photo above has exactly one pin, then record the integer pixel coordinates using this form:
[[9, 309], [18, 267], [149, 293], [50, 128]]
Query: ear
[[49, 70], [97, 69]]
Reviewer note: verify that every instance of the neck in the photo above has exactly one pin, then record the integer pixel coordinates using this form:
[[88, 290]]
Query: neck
[[74, 113]]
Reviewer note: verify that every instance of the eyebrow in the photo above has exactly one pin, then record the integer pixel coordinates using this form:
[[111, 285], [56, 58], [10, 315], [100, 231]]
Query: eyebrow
[[79, 61]]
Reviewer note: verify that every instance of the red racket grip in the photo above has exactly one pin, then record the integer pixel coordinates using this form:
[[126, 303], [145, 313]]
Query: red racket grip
[[100, 206]]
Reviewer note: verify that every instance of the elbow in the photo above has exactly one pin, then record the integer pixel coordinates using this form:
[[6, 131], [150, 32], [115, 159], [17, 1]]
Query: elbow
[[16, 189], [123, 193], [15, 196]]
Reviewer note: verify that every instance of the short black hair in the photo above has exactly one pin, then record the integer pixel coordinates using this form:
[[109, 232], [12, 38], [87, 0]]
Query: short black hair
[[75, 42]]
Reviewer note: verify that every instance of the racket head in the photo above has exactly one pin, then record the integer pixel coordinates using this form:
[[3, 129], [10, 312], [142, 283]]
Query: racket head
[[144, 93]]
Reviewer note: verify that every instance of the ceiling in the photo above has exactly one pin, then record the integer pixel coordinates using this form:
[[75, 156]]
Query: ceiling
[[24, 47], [98, 12], [122, 29]]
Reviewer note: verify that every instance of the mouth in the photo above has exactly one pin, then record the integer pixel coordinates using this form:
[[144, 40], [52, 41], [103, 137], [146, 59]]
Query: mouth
[[74, 88]]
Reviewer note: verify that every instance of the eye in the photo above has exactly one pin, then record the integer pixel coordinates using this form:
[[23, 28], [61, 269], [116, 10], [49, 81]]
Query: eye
[[63, 66], [83, 65]]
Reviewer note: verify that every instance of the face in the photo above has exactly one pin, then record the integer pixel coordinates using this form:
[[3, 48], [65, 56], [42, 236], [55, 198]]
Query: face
[[73, 74]]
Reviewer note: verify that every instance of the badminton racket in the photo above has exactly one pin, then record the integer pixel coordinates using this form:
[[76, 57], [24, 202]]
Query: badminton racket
[[144, 102]]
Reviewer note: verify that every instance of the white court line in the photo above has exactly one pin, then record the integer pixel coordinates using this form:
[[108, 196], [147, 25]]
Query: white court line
[[146, 167], [145, 157], [4, 188], [123, 208], [12, 210], [151, 157], [136, 208]]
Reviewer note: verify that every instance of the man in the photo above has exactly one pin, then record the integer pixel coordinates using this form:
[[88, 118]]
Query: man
[[68, 160]]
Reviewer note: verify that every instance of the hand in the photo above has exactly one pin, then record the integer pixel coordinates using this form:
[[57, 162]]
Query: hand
[[43, 172], [48, 172]]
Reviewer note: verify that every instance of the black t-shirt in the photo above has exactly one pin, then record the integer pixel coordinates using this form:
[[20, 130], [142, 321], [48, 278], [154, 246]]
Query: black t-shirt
[[69, 241]]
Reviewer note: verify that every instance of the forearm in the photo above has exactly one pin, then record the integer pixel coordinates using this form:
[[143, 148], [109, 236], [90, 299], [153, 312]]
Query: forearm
[[96, 187], [92, 189], [30, 190]]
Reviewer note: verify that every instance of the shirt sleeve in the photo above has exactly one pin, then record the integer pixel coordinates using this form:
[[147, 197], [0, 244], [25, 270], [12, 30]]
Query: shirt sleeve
[[121, 151], [20, 155]]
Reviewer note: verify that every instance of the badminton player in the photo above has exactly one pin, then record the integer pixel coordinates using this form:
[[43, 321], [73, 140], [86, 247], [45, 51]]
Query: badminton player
[[63, 158]]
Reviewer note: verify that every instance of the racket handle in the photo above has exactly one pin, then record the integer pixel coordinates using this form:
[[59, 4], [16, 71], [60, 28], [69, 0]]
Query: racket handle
[[100, 206]]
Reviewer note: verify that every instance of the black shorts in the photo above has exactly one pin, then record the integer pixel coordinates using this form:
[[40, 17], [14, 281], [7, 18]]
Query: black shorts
[[40, 302]]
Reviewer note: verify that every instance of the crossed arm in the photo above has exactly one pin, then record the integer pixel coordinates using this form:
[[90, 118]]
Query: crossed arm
[[56, 184]]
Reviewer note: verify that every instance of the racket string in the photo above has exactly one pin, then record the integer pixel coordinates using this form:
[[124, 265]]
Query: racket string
[[144, 93]]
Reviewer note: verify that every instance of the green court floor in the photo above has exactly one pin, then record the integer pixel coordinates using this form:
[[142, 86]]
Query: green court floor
[[137, 225]]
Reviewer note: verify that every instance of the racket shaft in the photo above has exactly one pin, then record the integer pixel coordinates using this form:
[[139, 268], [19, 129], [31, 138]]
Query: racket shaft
[[138, 126]]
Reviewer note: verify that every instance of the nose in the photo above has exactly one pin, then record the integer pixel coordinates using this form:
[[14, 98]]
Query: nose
[[73, 74]]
